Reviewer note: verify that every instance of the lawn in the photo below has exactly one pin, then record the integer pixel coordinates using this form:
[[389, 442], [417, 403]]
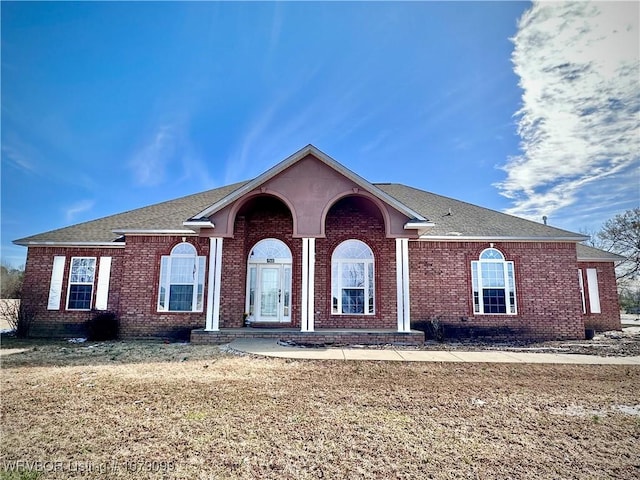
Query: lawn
[[153, 410]]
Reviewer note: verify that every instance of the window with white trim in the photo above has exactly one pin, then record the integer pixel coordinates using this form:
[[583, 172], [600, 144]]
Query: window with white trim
[[352, 279], [81, 277], [181, 280], [494, 286]]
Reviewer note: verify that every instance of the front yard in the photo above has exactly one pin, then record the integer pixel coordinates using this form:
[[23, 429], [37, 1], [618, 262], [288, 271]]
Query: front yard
[[153, 410]]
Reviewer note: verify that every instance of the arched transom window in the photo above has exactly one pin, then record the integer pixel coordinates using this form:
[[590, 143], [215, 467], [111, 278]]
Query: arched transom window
[[181, 280], [352, 279], [270, 249], [494, 287]]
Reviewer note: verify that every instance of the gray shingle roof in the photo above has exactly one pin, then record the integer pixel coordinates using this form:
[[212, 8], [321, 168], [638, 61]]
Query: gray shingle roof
[[452, 218], [161, 216], [455, 218], [587, 253]]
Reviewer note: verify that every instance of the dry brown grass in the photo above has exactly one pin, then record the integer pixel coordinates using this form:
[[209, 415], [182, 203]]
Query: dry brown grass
[[217, 416]]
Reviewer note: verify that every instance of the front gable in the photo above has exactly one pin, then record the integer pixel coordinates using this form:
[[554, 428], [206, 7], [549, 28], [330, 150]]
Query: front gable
[[309, 183]]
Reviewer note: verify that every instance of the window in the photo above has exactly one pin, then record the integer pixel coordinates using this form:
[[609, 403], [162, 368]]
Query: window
[[494, 287], [181, 280], [81, 276], [352, 284]]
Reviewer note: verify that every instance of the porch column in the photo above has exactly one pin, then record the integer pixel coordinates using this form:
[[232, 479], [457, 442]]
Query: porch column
[[308, 284], [402, 284], [213, 285]]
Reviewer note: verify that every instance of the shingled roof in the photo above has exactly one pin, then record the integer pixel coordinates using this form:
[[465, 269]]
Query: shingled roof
[[452, 218], [165, 216], [590, 254], [457, 219]]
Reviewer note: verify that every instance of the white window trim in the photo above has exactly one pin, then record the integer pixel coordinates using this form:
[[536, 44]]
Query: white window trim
[[581, 283], [55, 285], [165, 280], [594, 293], [476, 266], [102, 288], [92, 283], [340, 262]]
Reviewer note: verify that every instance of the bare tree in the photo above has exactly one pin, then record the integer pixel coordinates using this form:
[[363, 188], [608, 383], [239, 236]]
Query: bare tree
[[10, 281], [593, 241], [19, 317], [621, 235]]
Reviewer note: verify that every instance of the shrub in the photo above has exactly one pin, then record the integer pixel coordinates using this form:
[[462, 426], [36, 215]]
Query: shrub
[[433, 328], [103, 326]]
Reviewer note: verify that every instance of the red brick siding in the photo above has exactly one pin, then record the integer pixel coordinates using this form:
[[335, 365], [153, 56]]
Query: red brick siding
[[609, 318], [37, 280], [547, 290], [356, 219], [138, 310], [548, 295]]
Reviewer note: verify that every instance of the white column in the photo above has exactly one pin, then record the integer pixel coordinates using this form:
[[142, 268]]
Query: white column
[[304, 307], [399, 285], [405, 285], [213, 285], [402, 284], [311, 285], [308, 285]]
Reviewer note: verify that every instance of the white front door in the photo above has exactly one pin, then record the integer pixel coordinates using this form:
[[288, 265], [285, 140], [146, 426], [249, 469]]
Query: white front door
[[269, 293]]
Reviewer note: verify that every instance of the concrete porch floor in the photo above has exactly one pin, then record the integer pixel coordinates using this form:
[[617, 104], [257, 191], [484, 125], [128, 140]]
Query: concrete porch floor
[[319, 337]]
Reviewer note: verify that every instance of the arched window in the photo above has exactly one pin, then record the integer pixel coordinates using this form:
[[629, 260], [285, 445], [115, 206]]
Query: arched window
[[181, 280], [270, 248], [494, 287], [352, 279]]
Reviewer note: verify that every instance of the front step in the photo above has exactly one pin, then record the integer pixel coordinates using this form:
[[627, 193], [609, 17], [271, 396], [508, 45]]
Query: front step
[[320, 337]]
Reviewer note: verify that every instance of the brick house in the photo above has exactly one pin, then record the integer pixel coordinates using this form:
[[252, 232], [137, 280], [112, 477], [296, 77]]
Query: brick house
[[317, 251]]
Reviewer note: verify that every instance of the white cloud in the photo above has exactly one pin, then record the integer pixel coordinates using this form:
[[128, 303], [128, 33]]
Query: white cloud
[[149, 163], [168, 153], [579, 67], [20, 155], [77, 208]]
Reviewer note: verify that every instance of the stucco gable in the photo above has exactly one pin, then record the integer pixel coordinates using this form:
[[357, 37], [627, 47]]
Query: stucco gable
[[312, 160]]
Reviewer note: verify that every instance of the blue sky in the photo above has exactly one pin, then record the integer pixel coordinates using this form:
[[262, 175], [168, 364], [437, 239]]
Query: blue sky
[[526, 108]]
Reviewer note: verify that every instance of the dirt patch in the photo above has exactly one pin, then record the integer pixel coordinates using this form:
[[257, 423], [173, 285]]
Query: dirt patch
[[205, 415], [17, 353]]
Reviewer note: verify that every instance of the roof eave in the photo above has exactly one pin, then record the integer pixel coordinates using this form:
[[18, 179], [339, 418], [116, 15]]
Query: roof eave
[[602, 259], [53, 243], [479, 238], [139, 231], [199, 224]]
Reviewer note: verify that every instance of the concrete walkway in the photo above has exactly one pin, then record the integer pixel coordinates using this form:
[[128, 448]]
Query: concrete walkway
[[270, 348]]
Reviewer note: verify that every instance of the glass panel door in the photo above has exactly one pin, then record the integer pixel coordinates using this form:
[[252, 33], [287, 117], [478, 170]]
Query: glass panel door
[[269, 293]]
